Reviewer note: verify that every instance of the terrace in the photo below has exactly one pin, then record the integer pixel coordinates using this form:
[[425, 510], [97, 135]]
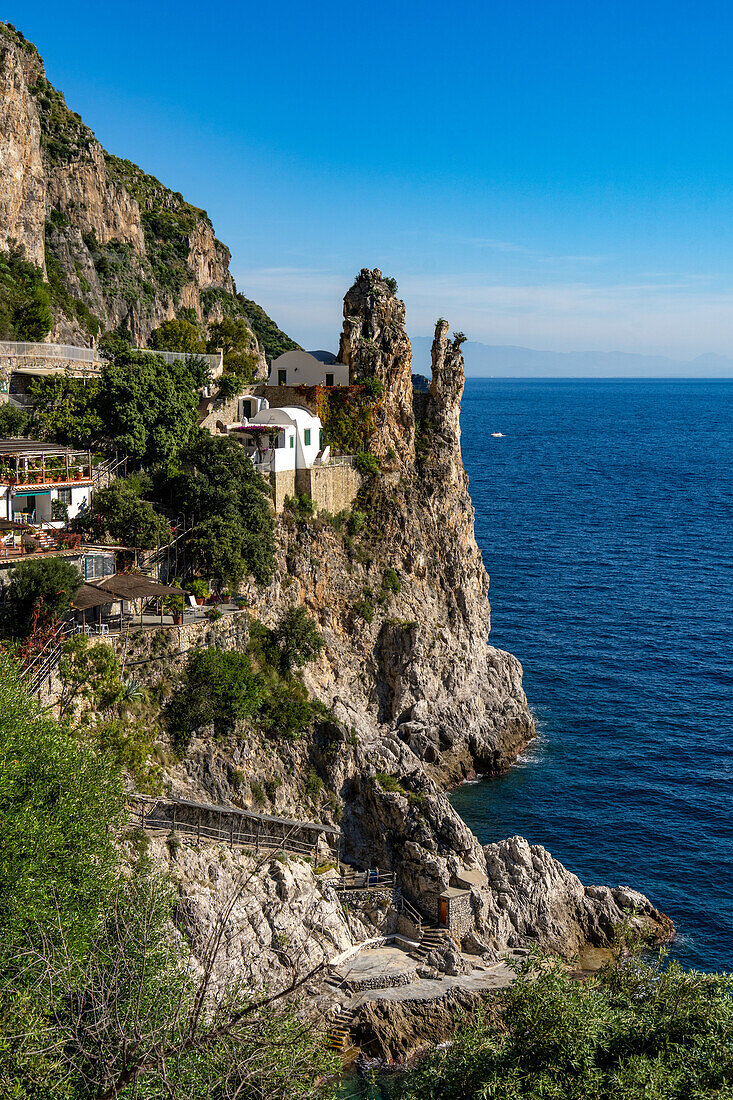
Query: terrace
[[28, 465]]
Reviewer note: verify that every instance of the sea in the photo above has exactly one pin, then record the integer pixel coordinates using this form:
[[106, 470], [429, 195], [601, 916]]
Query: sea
[[604, 513]]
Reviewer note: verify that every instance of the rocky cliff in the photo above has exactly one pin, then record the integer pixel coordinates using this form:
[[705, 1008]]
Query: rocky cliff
[[418, 699], [120, 250]]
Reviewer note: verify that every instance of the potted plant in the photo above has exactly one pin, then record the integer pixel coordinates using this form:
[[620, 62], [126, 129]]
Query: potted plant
[[213, 614], [174, 604], [198, 588], [240, 601], [30, 545]]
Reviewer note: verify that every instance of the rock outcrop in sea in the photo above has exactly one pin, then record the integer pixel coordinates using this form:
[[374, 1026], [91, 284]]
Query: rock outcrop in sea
[[419, 699]]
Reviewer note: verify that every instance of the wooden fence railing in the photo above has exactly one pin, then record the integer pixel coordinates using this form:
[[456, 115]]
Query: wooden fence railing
[[240, 828]]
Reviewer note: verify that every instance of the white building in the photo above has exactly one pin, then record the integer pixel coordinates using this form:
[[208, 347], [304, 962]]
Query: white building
[[308, 368], [43, 483], [281, 439]]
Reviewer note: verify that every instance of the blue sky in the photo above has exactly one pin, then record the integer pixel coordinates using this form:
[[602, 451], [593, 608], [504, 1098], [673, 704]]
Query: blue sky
[[552, 174]]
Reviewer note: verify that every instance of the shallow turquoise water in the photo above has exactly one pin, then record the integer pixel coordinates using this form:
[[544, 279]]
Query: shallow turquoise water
[[605, 520]]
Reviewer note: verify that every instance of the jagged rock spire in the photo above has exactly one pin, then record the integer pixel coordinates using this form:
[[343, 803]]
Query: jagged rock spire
[[441, 421], [374, 344]]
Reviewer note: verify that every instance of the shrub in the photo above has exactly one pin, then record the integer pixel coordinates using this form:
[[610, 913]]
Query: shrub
[[389, 783], [258, 793], [367, 464], [213, 614], [391, 582], [301, 506], [219, 688], [198, 587], [364, 607], [39, 590], [313, 784], [298, 637]]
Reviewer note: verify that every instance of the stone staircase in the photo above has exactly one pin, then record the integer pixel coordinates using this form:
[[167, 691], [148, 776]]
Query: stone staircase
[[339, 1030], [433, 937]]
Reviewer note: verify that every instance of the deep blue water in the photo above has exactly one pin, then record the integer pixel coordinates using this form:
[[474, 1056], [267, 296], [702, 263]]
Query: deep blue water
[[605, 517]]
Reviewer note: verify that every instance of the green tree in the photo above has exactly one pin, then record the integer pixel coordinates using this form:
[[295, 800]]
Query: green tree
[[229, 502], [41, 589], [298, 637], [120, 513], [64, 410], [177, 335], [149, 407], [234, 336], [13, 422]]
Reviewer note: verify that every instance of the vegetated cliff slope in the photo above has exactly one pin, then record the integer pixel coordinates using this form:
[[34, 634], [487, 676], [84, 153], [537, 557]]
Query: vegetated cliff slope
[[418, 697], [118, 248]]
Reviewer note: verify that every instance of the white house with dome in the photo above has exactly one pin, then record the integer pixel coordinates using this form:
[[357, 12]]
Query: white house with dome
[[290, 438], [287, 446]]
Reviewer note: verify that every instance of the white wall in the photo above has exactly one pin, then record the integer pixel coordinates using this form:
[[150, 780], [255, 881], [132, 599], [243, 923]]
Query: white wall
[[302, 369]]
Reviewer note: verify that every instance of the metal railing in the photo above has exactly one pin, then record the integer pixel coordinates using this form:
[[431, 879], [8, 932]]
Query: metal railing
[[14, 348], [215, 362]]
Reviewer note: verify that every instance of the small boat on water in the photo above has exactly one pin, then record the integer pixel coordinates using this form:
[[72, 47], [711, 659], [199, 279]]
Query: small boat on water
[[498, 435]]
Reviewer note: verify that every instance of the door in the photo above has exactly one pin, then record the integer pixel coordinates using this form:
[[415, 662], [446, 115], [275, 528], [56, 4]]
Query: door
[[282, 378], [329, 379], [443, 910]]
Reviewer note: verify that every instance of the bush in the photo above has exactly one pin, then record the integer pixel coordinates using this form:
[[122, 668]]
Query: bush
[[298, 637], [198, 587], [391, 582], [13, 422], [367, 464], [364, 608], [219, 689], [637, 1030], [38, 591]]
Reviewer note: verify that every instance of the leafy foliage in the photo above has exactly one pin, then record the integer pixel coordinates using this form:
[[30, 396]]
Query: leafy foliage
[[13, 422], [220, 689], [298, 637], [347, 415], [177, 335], [57, 801], [148, 407], [46, 586], [229, 501], [64, 410], [637, 1030], [25, 302], [120, 513]]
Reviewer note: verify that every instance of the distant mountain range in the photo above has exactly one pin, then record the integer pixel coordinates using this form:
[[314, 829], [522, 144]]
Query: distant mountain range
[[497, 361]]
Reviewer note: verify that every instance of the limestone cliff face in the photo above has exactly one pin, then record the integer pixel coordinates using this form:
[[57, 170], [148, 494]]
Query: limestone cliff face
[[119, 249], [417, 694], [22, 175]]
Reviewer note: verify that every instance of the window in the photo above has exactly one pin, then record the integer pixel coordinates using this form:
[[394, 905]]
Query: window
[[282, 378], [329, 379], [292, 441], [63, 496], [307, 437]]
